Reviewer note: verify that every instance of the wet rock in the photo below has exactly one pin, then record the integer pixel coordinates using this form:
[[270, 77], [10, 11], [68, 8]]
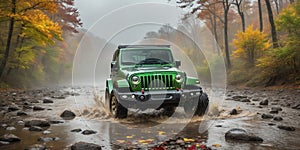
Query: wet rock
[[36, 147], [38, 108], [21, 113], [20, 122], [88, 132], [35, 128], [26, 103], [245, 100], [233, 112], [271, 124], [56, 122], [13, 108], [46, 132], [47, 101], [85, 146], [34, 101], [3, 143], [39, 123], [67, 114], [56, 139], [287, 128], [277, 118], [4, 125], [59, 97], [255, 99], [241, 135], [274, 112], [276, 109], [10, 128], [27, 107], [238, 97], [218, 126], [266, 116], [296, 106], [76, 130], [45, 139], [10, 138], [264, 102]]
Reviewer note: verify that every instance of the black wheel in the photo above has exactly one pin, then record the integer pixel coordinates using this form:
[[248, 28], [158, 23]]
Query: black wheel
[[202, 105], [169, 110], [116, 109], [197, 106]]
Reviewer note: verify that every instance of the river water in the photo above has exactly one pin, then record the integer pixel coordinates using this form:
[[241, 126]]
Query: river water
[[145, 129]]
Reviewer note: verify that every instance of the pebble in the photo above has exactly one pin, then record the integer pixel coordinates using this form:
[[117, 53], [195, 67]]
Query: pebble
[[264, 102], [10, 128], [76, 130], [266, 116], [46, 132], [277, 118], [85, 146]]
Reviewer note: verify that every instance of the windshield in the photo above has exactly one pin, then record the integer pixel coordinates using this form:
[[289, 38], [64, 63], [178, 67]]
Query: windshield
[[146, 56]]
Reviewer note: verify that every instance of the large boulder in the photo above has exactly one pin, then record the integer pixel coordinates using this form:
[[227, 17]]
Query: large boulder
[[67, 114], [85, 146], [237, 134]]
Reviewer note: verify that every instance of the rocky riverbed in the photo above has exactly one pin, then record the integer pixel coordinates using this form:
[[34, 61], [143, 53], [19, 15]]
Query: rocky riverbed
[[74, 118]]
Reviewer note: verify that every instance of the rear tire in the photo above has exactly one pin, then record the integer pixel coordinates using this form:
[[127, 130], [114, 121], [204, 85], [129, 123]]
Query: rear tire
[[116, 109]]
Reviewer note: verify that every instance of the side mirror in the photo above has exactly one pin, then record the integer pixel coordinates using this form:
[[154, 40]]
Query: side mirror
[[177, 63], [113, 64]]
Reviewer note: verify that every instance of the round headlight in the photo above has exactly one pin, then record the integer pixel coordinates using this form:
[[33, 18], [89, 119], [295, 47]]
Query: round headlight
[[135, 79], [178, 77]]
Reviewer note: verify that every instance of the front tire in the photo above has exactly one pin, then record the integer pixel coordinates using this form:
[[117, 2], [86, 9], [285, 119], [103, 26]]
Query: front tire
[[197, 106], [116, 109]]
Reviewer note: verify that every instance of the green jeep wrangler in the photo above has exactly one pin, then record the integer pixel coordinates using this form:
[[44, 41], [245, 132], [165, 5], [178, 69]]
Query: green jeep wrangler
[[146, 76]]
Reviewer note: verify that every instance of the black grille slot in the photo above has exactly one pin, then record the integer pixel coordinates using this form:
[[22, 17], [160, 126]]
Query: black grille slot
[[156, 82]]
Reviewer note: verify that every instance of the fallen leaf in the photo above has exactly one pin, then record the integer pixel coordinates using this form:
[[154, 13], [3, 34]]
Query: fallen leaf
[[188, 140], [216, 145]]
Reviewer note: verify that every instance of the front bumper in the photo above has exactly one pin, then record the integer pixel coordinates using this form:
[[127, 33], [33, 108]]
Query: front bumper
[[156, 99]]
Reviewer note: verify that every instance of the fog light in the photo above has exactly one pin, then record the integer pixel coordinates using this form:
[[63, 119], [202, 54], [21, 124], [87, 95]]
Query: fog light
[[192, 94], [197, 93], [132, 96], [124, 96], [142, 97]]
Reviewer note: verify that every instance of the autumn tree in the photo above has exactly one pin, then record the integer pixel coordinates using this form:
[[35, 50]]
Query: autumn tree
[[33, 25], [250, 44], [284, 62]]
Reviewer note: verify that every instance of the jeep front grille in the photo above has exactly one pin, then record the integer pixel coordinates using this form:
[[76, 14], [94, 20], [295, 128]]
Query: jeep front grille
[[157, 82]]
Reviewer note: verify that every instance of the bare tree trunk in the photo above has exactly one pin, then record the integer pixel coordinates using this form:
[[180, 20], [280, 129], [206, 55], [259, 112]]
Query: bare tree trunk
[[273, 27], [226, 6], [241, 13], [261, 25], [9, 37]]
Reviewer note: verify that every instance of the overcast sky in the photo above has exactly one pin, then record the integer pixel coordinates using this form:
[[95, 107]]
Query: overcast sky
[[117, 19]]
